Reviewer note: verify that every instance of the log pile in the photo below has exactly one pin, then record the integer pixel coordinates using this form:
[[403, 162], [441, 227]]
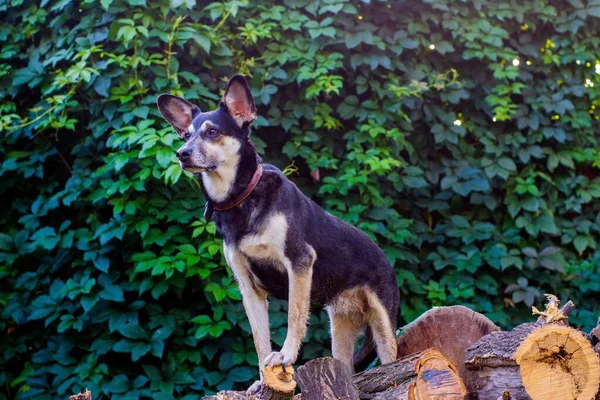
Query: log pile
[[424, 375], [545, 359], [454, 353]]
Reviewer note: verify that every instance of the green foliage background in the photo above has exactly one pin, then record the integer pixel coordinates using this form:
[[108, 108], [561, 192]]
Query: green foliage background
[[479, 178]]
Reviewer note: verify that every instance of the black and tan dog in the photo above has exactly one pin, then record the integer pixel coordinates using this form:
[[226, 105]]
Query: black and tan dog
[[278, 241]]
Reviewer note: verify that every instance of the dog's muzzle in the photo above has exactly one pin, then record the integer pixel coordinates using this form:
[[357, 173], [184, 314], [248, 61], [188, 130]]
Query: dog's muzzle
[[183, 154], [187, 164]]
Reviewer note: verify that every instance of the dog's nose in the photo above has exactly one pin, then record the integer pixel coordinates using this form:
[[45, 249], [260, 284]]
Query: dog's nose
[[183, 154]]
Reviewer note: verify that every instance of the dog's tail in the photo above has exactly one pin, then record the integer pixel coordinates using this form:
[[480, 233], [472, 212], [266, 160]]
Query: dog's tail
[[366, 354]]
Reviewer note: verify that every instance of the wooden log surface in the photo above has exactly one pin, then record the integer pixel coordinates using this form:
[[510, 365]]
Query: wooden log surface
[[424, 375], [491, 368], [595, 334], [87, 395], [437, 378], [543, 360], [558, 363], [326, 379], [449, 330], [490, 362], [395, 376], [277, 384]]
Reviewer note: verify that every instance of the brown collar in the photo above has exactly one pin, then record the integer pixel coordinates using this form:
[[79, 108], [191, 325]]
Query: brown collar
[[211, 206]]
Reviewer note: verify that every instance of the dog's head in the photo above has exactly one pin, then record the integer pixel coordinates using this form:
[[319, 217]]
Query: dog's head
[[211, 138]]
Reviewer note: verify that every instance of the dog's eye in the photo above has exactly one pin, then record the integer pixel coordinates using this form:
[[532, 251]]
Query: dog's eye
[[186, 135], [212, 132]]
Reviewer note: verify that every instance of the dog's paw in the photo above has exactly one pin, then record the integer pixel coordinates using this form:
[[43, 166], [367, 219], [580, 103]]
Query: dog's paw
[[254, 389], [279, 358]]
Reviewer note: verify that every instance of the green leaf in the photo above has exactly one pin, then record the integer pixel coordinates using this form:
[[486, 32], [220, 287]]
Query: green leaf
[[354, 39], [102, 85], [580, 243], [112, 292], [594, 11], [165, 157], [203, 41], [444, 47], [133, 331], [102, 263], [124, 346], [546, 224], [152, 372], [119, 384], [507, 163], [139, 350], [460, 222], [202, 319], [22, 76], [202, 331]]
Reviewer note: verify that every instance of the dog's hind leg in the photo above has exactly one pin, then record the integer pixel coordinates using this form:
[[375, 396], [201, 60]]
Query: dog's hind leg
[[344, 331], [383, 332]]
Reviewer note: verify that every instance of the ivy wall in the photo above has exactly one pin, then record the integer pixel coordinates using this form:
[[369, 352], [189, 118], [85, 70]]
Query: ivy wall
[[461, 135]]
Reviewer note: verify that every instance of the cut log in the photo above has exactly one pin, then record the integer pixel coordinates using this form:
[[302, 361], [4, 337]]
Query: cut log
[[277, 384], [229, 395], [279, 380], [450, 330], [558, 363], [490, 363], [491, 368], [437, 378], [425, 375], [87, 395], [326, 379]]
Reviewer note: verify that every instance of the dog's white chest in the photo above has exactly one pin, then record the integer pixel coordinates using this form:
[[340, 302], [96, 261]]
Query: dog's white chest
[[268, 244]]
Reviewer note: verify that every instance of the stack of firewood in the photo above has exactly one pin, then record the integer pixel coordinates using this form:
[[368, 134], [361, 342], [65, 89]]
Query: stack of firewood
[[455, 353]]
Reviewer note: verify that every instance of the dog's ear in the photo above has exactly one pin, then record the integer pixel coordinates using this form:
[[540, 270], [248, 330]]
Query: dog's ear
[[238, 101], [177, 111]]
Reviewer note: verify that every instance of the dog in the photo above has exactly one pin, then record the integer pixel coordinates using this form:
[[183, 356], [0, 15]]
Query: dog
[[277, 241]]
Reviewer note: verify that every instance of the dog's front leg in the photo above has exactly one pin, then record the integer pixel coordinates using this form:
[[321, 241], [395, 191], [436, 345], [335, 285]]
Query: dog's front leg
[[254, 300], [256, 307], [300, 281]]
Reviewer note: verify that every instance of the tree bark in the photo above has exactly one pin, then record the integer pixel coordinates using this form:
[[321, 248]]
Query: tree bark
[[424, 375], [326, 379], [491, 368], [595, 335]]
